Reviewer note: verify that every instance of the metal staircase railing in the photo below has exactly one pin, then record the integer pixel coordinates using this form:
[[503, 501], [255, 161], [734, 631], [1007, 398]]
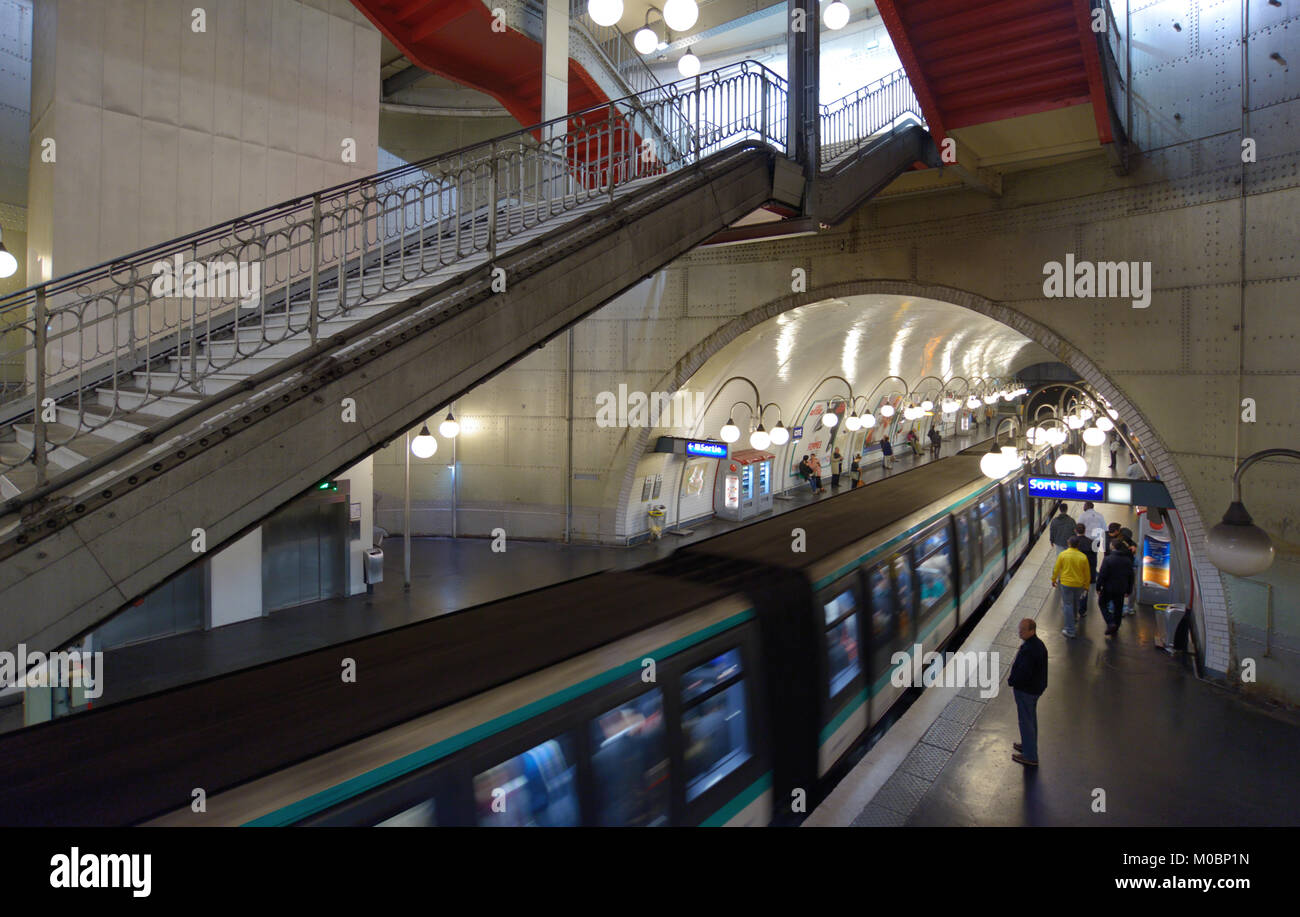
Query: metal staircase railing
[[851, 122], [128, 341], [114, 356]]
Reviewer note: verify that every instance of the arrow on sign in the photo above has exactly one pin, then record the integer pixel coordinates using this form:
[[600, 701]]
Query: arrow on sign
[[1094, 487]]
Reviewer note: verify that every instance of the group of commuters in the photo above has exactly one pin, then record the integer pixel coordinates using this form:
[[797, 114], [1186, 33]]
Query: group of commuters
[[810, 466], [1077, 568]]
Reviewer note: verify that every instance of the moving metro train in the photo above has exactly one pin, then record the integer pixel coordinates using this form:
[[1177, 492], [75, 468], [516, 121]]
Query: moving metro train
[[711, 687]]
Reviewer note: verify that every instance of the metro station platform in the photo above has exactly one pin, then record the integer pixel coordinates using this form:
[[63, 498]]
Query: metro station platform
[[1119, 716]]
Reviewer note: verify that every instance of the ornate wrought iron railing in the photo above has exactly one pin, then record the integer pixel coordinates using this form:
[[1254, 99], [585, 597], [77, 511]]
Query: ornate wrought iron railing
[[182, 319], [849, 123]]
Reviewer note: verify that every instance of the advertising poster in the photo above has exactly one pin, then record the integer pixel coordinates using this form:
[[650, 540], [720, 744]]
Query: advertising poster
[[695, 478], [818, 439], [1155, 563]]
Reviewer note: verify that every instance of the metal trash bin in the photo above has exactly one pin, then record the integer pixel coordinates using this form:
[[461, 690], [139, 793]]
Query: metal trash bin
[[374, 566], [1168, 619]]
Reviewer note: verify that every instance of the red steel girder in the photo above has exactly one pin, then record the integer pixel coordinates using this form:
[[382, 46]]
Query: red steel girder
[[916, 74], [1060, 22], [1092, 66], [966, 19], [1017, 70]]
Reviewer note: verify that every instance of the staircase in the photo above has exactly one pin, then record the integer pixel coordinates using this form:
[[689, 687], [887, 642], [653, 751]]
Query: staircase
[[147, 411]]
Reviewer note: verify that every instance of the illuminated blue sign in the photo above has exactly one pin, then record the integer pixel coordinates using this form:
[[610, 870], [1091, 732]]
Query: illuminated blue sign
[[796, 434], [1067, 488], [706, 449]]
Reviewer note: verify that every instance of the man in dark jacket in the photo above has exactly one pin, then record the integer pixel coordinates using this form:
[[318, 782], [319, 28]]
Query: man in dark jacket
[[1114, 583], [1028, 680], [936, 441], [1061, 529]]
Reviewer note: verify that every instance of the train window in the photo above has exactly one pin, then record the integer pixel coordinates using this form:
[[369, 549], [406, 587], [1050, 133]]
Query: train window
[[1023, 492], [903, 585], [842, 640], [842, 648], [421, 815], [704, 678], [713, 722], [884, 621], [537, 788], [968, 545], [990, 529], [839, 606], [629, 763], [934, 572]]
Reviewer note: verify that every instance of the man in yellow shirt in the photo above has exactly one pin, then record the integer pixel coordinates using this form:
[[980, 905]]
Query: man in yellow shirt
[[1073, 573]]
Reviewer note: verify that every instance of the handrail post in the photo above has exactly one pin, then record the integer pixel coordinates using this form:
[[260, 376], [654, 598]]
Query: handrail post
[[38, 428], [610, 161], [492, 203], [764, 103], [698, 102], [315, 266]]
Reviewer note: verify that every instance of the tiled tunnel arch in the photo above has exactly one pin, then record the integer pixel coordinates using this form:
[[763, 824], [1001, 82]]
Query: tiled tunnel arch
[[1210, 591]]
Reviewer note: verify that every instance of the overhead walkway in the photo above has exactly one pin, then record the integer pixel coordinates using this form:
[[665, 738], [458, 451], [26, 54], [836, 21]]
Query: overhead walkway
[[158, 419]]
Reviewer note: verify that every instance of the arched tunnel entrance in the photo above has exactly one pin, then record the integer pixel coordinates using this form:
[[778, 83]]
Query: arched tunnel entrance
[[910, 330]]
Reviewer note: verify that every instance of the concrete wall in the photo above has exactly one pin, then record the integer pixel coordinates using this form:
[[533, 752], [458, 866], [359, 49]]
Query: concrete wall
[[161, 130], [235, 581]]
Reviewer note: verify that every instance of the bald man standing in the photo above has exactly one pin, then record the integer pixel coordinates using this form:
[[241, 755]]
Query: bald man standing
[[1028, 680]]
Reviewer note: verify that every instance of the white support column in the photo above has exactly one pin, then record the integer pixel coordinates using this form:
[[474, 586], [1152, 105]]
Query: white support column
[[555, 60]]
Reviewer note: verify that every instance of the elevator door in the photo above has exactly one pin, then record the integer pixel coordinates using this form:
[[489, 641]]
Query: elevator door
[[304, 553]]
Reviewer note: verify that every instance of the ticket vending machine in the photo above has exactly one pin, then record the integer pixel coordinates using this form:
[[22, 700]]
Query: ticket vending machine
[[743, 485]]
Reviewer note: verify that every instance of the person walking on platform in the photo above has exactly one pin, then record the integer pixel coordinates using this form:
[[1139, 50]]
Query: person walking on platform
[[837, 468], [1114, 585], [886, 453], [935, 441], [1112, 533], [1028, 679], [855, 471], [1090, 552], [1061, 529], [1114, 452], [1071, 573], [1130, 544], [1094, 524]]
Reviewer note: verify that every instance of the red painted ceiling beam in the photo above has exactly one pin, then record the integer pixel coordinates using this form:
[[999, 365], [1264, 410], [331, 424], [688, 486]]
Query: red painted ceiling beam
[[1016, 71], [912, 65], [995, 56], [965, 19], [1046, 88], [1060, 22], [968, 117], [1092, 65]]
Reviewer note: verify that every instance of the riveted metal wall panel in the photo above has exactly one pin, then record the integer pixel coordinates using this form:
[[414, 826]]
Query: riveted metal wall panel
[[1274, 80], [1273, 326]]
